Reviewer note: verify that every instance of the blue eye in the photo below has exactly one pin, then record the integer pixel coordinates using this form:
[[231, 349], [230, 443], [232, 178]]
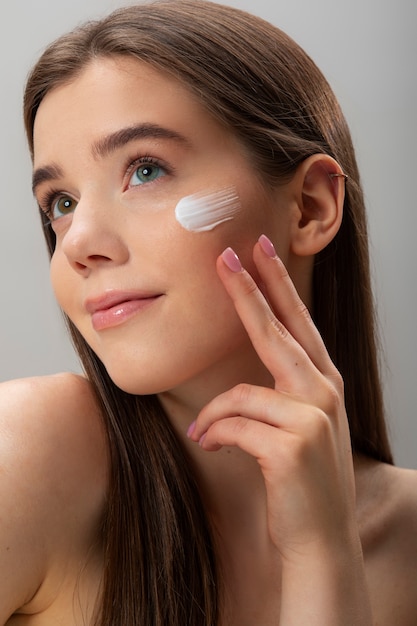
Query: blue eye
[[63, 206], [146, 173]]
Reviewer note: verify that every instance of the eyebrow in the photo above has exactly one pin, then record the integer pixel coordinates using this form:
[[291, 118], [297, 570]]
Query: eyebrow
[[109, 144], [105, 146], [43, 174]]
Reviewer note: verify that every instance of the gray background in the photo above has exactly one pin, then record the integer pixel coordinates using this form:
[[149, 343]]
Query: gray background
[[367, 50]]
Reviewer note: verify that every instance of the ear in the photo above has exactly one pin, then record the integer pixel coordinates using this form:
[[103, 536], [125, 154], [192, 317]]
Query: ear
[[319, 188]]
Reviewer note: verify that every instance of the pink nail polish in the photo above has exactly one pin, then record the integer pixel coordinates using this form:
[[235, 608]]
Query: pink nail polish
[[232, 260], [267, 246], [191, 429]]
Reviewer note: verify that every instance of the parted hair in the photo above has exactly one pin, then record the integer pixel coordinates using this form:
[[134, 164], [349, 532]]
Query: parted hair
[[160, 561]]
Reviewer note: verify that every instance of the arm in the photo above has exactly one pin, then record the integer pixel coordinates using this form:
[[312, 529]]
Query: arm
[[299, 434]]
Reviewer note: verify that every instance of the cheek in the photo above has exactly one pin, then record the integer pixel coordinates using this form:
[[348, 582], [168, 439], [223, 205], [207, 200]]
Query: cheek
[[204, 211], [64, 283], [58, 281]]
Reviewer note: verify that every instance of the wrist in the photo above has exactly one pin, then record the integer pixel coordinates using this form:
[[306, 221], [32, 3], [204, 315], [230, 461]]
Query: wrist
[[325, 586]]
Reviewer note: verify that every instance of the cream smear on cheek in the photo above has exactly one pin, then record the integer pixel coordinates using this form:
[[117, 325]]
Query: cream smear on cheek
[[205, 210]]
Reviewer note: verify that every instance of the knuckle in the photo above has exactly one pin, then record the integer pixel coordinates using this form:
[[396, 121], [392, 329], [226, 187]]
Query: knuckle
[[303, 311], [321, 425], [332, 394], [241, 393], [338, 384], [276, 327], [317, 435]]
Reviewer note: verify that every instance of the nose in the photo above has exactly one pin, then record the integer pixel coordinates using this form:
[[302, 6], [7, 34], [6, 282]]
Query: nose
[[92, 238]]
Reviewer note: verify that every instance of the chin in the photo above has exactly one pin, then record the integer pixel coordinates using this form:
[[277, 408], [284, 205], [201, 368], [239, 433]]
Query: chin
[[135, 386], [136, 383]]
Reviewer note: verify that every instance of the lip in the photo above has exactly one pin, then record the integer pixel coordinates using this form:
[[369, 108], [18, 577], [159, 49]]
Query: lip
[[115, 308]]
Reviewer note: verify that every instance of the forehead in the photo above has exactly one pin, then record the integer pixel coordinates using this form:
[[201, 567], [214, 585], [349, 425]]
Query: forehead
[[117, 92]]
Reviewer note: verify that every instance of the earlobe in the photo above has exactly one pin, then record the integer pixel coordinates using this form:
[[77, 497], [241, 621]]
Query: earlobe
[[320, 190]]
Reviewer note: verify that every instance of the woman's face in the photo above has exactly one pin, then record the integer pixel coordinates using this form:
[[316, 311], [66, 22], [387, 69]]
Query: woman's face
[[115, 150]]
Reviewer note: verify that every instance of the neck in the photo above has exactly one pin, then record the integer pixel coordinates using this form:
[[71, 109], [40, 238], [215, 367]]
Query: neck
[[230, 480], [234, 495]]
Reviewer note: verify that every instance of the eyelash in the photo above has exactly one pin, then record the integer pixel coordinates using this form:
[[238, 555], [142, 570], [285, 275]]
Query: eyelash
[[50, 197], [46, 203], [144, 160]]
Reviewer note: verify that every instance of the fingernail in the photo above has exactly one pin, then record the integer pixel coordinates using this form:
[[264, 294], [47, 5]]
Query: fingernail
[[267, 246], [201, 440], [191, 429], [232, 260]]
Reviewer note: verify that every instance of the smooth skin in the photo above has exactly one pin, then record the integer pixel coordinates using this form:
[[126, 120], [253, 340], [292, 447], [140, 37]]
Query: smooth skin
[[307, 534]]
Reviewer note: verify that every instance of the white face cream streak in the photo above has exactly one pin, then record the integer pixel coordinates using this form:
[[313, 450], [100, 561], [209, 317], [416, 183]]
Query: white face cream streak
[[205, 210]]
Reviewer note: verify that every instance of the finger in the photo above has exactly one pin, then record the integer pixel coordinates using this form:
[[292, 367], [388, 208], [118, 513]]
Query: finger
[[259, 404], [237, 431], [288, 306], [282, 355], [274, 447]]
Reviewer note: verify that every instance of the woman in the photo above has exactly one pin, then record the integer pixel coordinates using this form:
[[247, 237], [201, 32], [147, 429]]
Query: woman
[[211, 469]]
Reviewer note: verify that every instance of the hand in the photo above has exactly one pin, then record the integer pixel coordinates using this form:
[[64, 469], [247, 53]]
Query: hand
[[298, 431]]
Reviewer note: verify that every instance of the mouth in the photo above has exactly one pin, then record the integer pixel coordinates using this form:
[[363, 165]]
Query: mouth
[[115, 308]]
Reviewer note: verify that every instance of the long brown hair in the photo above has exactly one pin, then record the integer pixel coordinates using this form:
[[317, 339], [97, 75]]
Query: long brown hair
[[160, 565]]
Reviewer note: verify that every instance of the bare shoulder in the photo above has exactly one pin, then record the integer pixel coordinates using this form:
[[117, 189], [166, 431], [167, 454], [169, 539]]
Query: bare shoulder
[[51, 420], [53, 466], [401, 489], [56, 391], [403, 482], [51, 430], [399, 492], [387, 511]]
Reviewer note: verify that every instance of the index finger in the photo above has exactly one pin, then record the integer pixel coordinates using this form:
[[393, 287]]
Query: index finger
[[283, 356], [284, 313]]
